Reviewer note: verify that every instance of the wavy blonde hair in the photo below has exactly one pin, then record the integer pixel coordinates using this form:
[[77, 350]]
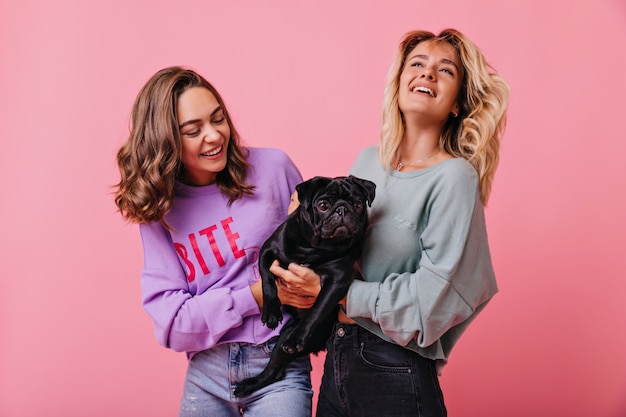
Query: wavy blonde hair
[[483, 99], [150, 160]]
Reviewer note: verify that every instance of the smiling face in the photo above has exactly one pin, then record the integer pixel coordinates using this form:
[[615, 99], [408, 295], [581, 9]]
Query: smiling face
[[204, 133], [430, 81]]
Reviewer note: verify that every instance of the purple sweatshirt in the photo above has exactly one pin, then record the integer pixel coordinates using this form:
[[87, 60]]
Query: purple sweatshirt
[[195, 280]]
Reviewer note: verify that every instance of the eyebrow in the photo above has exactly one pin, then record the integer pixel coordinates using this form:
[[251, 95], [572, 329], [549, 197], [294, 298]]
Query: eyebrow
[[445, 60], [189, 122]]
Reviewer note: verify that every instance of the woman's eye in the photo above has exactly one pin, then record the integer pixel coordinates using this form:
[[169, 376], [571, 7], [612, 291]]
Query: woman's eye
[[446, 70], [218, 117], [193, 132]]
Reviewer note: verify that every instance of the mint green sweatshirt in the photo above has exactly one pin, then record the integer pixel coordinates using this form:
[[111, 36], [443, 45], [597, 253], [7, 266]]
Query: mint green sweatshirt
[[426, 265]]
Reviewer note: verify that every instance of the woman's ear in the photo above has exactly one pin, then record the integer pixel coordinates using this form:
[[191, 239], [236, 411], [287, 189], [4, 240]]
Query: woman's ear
[[455, 110]]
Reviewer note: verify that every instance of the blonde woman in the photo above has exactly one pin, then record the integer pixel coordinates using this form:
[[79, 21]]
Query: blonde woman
[[205, 204], [426, 268]]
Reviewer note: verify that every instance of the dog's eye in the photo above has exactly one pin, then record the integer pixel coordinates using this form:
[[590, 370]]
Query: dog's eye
[[323, 205]]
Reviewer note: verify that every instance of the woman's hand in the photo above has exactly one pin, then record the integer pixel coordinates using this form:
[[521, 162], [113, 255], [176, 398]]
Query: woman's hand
[[293, 203], [298, 286]]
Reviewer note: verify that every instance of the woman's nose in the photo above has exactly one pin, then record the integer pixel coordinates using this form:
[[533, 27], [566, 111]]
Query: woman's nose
[[211, 134], [428, 74]]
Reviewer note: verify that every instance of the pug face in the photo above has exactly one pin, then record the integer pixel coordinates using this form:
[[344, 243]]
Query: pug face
[[335, 209]]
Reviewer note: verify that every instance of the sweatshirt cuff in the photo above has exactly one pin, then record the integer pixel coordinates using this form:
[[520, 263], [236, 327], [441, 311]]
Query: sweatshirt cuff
[[362, 299], [244, 302]]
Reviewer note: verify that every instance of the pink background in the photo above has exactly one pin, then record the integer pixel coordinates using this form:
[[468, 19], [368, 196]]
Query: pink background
[[308, 77]]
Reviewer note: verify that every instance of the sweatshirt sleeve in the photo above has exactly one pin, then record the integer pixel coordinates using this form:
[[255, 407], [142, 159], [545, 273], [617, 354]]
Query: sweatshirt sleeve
[[292, 173], [182, 321], [453, 280]]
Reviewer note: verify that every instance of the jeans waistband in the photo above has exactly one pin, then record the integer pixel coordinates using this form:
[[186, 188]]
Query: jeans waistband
[[353, 333], [356, 336]]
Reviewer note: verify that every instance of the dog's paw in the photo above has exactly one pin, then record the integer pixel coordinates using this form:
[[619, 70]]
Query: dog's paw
[[293, 344], [271, 318], [273, 321], [246, 387]]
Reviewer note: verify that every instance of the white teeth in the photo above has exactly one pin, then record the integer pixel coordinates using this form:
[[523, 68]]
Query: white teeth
[[423, 90], [214, 152]]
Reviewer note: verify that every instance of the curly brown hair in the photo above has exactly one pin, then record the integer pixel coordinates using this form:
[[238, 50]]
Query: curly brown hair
[[150, 160]]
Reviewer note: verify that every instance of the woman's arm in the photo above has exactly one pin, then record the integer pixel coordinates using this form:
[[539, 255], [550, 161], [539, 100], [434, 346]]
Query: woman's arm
[[184, 321], [453, 279]]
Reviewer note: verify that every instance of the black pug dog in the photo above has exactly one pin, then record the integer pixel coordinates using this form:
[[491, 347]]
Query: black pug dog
[[325, 233]]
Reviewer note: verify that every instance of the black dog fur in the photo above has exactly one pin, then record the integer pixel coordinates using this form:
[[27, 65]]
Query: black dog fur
[[325, 233]]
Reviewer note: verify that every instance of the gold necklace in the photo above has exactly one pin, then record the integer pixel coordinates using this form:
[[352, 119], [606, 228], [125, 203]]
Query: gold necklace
[[409, 164]]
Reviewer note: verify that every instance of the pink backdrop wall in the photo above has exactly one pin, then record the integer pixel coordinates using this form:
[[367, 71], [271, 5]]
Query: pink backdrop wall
[[308, 77]]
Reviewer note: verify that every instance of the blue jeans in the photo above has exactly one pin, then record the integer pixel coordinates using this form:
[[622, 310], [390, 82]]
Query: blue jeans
[[367, 376], [213, 374]]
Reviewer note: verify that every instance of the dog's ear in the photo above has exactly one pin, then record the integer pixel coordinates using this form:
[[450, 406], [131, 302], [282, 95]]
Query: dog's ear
[[306, 190], [368, 187]]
